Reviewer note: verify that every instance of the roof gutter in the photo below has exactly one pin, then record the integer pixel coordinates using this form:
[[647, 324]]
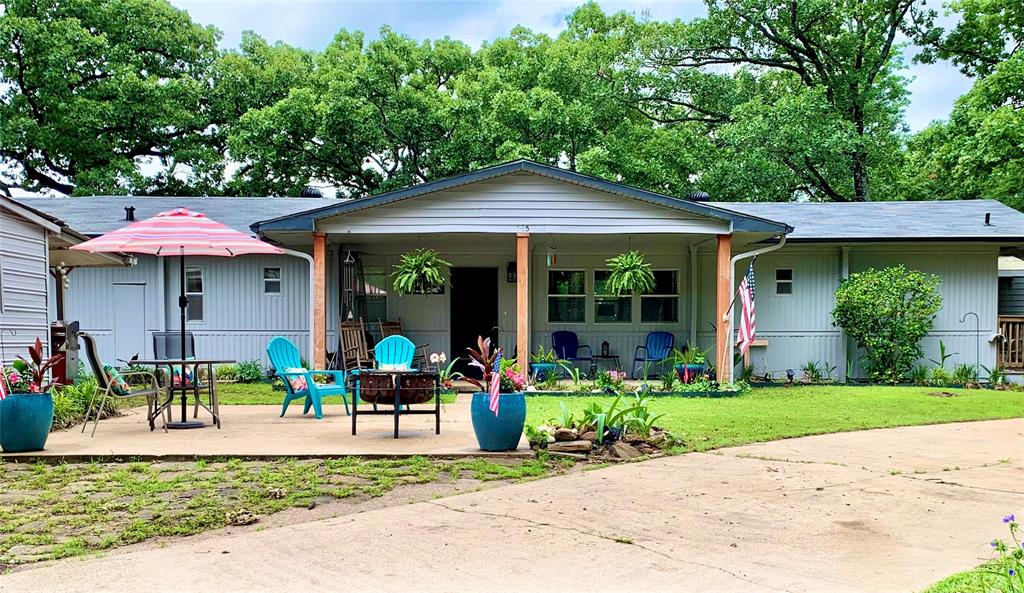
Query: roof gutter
[[728, 320]]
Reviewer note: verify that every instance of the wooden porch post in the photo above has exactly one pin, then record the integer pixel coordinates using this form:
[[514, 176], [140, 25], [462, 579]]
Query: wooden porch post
[[723, 333], [319, 288], [523, 300]]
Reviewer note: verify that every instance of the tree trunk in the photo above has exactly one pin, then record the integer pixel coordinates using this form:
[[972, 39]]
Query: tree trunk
[[860, 158]]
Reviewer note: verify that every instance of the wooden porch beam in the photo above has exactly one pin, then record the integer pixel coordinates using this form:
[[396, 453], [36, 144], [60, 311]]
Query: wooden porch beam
[[523, 300], [319, 288], [723, 349]]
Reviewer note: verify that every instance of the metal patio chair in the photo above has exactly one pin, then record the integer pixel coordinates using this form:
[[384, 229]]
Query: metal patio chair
[[151, 392], [566, 345], [656, 350], [167, 346]]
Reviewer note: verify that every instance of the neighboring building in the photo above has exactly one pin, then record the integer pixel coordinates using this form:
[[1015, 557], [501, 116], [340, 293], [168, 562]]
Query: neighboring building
[[234, 310], [33, 247], [529, 244]]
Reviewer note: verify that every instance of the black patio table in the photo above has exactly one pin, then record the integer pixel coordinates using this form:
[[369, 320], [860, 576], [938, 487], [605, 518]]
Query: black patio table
[[194, 387], [396, 376]]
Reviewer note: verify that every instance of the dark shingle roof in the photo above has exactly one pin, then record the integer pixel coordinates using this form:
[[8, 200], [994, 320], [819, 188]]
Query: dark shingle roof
[[95, 215], [955, 220]]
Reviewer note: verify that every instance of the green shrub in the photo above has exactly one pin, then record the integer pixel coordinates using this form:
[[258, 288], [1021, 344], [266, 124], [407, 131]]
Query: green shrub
[[70, 402], [248, 371], [887, 312], [227, 372]]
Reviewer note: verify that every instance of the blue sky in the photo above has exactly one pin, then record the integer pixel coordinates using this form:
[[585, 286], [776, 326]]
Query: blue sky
[[313, 23]]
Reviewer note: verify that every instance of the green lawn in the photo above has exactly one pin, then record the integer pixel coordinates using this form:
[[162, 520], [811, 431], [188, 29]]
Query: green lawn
[[766, 414]]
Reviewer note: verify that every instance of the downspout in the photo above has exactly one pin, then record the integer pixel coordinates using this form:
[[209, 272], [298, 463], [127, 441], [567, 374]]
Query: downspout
[[732, 292], [312, 296], [844, 342], [693, 294]]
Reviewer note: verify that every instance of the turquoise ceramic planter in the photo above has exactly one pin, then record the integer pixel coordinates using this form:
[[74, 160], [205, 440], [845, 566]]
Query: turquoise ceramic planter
[[501, 432], [25, 421], [542, 369], [692, 370]]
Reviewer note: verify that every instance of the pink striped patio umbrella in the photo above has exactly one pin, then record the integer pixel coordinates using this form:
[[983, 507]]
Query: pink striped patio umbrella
[[180, 233]]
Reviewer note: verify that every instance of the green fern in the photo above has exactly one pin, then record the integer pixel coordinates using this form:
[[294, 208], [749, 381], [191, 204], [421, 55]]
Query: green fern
[[419, 271], [630, 273]]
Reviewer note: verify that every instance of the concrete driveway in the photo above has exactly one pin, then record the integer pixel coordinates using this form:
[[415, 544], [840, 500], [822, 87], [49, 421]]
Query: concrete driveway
[[880, 510]]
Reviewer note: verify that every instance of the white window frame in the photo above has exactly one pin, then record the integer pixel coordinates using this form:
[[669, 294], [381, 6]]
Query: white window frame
[[387, 288], [202, 282], [279, 280], [677, 295], [547, 299], [632, 301], [791, 282]]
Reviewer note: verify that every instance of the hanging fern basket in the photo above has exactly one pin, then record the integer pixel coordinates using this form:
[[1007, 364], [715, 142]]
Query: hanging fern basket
[[420, 272], [629, 274]]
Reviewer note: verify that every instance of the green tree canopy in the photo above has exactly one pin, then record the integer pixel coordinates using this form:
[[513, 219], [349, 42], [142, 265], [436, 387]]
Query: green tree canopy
[[95, 88]]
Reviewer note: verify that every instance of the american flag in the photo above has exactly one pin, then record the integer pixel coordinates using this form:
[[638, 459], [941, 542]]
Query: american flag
[[495, 385], [748, 326]]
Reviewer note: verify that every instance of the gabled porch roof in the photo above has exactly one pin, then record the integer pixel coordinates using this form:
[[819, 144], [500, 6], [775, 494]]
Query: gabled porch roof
[[306, 221]]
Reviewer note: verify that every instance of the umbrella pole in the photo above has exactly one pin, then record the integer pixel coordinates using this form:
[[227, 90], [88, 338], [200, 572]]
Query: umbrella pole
[[182, 303]]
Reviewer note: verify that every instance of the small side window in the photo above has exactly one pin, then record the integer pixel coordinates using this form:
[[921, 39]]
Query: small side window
[[272, 280], [784, 281]]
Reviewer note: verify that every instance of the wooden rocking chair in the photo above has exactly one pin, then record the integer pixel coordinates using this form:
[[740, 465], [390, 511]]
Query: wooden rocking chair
[[394, 328]]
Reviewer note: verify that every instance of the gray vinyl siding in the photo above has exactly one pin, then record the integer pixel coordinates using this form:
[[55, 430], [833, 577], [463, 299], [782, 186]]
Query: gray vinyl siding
[[239, 320], [969, 284], [520, 202], [798, 326], [90, 300], [24, 266]]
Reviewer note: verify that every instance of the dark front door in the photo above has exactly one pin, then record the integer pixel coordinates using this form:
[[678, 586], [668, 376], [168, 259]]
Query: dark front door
[[474, 312]]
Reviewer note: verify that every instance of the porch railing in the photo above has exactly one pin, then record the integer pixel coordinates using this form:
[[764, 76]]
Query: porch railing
[[1011, 347]]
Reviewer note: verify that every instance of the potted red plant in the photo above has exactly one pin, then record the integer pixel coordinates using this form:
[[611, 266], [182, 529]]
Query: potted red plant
[[497, 429], [26, 414]]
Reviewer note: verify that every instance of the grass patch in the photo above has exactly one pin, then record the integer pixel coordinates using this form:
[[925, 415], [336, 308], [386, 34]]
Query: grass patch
[[59, 511], [250, 394], [766, 414]]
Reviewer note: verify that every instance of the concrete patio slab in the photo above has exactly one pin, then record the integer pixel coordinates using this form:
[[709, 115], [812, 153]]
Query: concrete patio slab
[[829, 513], [259, 432]]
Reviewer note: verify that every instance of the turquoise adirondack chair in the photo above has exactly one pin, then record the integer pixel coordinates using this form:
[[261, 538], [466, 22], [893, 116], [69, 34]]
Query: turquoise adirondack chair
[[394, 350], [285, 357]]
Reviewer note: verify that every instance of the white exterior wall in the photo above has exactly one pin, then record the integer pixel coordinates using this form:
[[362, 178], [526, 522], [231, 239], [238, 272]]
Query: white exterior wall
[[24, 266]]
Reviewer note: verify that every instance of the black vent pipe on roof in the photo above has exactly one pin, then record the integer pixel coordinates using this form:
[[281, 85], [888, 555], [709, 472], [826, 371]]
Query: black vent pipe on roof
[[129, 213], [699, 196], [988, 219]]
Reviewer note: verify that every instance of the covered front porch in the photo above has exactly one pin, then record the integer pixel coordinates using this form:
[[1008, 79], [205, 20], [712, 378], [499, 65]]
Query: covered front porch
[[520, 288], [528, 244]]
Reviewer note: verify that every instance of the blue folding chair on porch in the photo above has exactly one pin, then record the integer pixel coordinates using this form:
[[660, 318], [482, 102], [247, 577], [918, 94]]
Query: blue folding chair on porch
[[656, 350], [298, 381]]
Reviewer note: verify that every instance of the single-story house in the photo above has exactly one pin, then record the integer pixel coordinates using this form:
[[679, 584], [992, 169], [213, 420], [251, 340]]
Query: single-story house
[[34, 246], [528, 244]]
